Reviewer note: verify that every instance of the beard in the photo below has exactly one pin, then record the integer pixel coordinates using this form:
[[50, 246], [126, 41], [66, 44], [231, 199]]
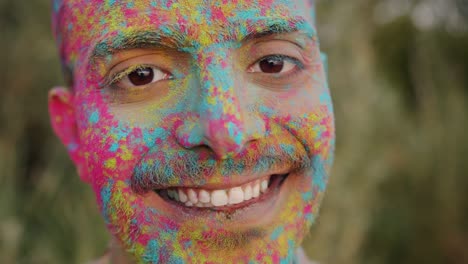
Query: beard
[[151, 236]]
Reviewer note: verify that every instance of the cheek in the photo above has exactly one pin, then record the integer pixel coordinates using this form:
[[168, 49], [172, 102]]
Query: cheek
[[110, 148], [315, 130], [305, 113]]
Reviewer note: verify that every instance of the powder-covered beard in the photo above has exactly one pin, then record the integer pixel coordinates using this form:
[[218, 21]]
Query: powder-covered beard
[[152, 237]]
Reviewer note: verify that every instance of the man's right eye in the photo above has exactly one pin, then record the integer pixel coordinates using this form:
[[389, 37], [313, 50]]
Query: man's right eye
[[140, 76]]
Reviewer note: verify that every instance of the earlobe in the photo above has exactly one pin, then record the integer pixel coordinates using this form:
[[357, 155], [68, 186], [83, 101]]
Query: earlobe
[[63, 119]]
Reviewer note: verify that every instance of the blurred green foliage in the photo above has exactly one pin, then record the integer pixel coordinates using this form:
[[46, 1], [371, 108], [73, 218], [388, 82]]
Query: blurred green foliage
[[399, 188]]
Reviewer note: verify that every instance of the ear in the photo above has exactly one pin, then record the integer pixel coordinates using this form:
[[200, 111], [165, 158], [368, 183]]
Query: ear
[[63, 119]]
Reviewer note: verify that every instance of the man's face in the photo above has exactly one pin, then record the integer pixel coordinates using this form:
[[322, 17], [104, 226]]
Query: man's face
[[204, 127]]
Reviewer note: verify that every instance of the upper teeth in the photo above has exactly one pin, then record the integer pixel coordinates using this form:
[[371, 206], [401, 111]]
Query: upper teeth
[[216, 198]]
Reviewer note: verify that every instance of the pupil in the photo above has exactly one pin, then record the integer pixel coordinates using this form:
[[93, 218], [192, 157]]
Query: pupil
[[272, 65], [141, 76]]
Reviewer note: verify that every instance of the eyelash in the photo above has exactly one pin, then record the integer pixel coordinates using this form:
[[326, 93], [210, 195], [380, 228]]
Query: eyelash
[[299, 65], [297, 62], [118, 76]]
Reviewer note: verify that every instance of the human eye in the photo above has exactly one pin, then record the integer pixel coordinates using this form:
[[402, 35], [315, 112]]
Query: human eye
[[277, 71], [133, 82], [276, 64], [142, 76], [138, 76]]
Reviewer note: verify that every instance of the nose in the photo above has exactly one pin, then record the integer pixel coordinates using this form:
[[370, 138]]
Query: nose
[[223, 122]]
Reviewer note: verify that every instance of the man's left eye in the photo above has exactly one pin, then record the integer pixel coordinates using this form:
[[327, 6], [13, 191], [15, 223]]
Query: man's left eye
[[142, 76], [274, 64]]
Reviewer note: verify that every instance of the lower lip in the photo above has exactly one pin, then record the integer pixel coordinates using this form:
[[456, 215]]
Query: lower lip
[[254, 210]]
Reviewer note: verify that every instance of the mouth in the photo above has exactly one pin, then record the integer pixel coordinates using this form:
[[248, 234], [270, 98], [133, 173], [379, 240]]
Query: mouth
[[231, 198]]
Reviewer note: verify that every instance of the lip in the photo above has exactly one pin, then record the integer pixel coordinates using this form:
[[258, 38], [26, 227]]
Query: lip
[[249, 212]]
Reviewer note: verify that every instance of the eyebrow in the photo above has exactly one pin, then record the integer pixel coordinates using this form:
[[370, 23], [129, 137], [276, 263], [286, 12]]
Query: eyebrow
[[278, 26], [171, 37], [163, 37]]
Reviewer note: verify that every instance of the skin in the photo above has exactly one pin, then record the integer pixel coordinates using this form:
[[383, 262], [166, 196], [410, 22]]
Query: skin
[[212, 118]]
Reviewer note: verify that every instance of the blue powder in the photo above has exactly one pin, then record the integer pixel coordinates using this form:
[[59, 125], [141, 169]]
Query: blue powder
[[277, 232], [94, 117]]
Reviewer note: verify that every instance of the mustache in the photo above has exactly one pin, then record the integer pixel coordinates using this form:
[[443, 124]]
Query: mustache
[[163, 167]]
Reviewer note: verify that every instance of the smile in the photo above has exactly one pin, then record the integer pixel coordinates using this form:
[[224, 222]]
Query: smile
[[223, 199]]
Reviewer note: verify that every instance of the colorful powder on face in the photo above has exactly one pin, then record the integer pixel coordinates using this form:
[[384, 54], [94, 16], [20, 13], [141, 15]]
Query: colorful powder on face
[[214, 122]]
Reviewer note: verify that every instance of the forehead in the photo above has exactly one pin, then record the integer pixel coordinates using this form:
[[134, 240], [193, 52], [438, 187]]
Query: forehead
[[79, 23], [198, 10]]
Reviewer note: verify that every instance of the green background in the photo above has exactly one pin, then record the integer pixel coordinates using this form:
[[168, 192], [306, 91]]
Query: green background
[[399, 188]]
